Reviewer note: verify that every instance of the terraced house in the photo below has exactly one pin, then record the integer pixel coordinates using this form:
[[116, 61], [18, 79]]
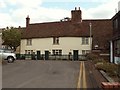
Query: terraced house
[[70, 36]]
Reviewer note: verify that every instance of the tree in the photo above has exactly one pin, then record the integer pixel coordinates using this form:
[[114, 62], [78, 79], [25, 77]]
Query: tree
[[11, 37]]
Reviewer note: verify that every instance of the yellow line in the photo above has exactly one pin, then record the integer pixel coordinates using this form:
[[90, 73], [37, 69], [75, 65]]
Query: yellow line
[[79, 79], [84, 77]]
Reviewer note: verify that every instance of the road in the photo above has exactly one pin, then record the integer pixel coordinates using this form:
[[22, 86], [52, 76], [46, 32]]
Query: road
[[50, 74]]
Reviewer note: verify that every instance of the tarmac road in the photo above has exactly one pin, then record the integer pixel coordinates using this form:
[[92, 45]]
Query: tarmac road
[[40, 74]]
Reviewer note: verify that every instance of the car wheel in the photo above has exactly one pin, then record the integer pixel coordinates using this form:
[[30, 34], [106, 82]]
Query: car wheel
[[10, 59]]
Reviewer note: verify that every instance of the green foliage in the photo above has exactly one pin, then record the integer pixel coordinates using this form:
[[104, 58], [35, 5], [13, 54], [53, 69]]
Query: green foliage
[[11, 38], [109, 68], [92, 56]]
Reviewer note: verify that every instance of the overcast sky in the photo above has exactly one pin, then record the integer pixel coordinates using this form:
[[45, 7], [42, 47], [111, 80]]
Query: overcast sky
[[14, 12]]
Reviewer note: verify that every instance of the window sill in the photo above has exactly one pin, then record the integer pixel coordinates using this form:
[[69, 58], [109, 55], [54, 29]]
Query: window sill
[[56, 44], [28, 45], [84, 44]]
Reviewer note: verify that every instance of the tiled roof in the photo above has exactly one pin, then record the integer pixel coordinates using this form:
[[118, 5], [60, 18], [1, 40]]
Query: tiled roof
[[59, 29]]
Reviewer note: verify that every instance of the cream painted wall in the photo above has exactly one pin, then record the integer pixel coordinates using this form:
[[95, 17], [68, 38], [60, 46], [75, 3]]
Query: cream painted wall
[[66, 44]]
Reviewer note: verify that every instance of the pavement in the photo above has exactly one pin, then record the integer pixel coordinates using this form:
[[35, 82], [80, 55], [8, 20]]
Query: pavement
[[93, 76]]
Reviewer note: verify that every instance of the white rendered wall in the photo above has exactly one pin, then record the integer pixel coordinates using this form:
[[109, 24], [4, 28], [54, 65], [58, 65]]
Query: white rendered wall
[[66, 44]]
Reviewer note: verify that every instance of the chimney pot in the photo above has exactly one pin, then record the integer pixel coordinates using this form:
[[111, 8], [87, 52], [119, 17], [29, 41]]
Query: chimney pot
[[75, 8]]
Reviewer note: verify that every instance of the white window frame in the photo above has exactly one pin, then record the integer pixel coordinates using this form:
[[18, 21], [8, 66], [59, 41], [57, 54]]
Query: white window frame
[[85, 40], [84, 52], [57, 52], [29, 42], [55, 40], [28, 51]]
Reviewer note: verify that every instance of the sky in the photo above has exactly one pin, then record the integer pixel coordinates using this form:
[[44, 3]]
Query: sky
[[14, 12]]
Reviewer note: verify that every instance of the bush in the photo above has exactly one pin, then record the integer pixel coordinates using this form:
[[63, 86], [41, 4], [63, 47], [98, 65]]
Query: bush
[[109, 68], [95, 58], [92, 56]]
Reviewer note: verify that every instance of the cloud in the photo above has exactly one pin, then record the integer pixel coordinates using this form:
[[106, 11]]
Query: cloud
[[103, 11], [2, 4], [25, 3], [17, 11], [5, 20]]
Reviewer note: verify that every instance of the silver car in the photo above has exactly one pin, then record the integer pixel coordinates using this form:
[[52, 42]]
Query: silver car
[[7, 55]]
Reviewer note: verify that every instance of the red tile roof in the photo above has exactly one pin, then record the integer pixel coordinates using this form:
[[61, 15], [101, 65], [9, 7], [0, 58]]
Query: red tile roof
[[59, 29]]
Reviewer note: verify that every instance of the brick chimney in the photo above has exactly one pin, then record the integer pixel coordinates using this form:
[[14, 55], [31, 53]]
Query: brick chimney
[[27, 21], [76, 15]]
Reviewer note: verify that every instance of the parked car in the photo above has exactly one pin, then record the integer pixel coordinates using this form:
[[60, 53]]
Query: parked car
[[7, 55]]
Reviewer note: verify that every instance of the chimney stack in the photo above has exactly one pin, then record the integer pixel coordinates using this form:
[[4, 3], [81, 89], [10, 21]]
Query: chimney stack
[[76, 15], [27, 21]]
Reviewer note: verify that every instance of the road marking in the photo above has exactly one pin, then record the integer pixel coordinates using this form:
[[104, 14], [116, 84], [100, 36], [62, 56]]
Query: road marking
[[79, 78], [82, 77]]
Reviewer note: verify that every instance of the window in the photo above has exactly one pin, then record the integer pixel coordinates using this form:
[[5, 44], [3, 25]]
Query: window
[[55, 40], [57, 52], [29, 41], [85, 40], [118, 47], [28, 51], [84, 52]]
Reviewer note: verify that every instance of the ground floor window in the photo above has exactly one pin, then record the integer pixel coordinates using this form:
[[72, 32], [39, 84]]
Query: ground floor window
[[84, 52], [57, 52], [28, 51]]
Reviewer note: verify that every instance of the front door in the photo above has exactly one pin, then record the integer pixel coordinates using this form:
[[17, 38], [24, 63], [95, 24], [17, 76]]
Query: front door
[[75, 54], [38, 55], [46, 55]]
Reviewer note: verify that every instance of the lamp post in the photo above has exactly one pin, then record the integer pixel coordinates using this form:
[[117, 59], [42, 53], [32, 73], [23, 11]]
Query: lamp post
[[90, 37]]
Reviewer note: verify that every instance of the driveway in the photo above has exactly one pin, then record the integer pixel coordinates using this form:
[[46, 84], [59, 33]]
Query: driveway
[[40, 74]]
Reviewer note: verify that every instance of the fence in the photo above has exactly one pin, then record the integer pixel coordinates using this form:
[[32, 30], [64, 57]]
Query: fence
[[50, 57]]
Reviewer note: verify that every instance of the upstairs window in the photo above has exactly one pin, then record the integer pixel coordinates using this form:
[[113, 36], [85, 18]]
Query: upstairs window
[[85, 41], [29, 42], [55, 40]]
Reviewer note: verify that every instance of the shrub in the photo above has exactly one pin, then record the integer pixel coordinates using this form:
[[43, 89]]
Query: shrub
[[109, 68], [92, 56]]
